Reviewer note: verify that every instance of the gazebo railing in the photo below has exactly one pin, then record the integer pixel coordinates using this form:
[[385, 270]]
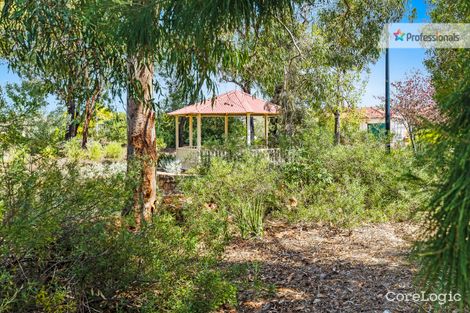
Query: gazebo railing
[[191, 156], [273, 154]]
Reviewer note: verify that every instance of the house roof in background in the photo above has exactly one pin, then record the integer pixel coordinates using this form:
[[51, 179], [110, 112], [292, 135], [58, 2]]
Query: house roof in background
[[235, 102], [372, 113]]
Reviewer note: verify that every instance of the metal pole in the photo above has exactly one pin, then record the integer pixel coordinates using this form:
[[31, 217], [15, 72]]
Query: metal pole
[[387, 101]]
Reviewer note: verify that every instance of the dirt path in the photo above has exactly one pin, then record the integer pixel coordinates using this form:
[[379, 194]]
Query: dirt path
[[317, 269]]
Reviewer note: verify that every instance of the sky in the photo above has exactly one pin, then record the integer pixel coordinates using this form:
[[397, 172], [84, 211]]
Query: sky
[[402, 61]]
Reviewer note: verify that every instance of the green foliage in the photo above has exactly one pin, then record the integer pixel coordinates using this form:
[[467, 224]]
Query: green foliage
[[311, 60], [348, 184], [65, 248], [249, 216], [113, 150], [73, 150], [165, 127], [95, 151], [54, 303], [444, 247], [109, 126], [345, 184], [245, 189], [22, 122]]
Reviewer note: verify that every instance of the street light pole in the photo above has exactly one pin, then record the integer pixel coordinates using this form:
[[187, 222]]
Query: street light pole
[[387, 101]]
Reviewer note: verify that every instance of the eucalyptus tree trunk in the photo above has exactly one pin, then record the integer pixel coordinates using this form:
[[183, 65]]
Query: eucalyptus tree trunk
[[72, 126], [141, 139], [337, 127], [89, 109]]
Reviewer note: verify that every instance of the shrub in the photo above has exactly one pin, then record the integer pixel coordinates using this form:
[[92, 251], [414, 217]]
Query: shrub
[[350, 184], [95, 151], [65, 248], [113, 150], [171, 166], [249, 216], [231, 186], [73, 150]]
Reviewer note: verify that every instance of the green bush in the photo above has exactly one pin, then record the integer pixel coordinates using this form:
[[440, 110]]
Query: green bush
[[113, 150], [349, 184], [249, 216], [345, 185], [111, 125], [95, 151], [73, 150], [231, 186], [65, 248]]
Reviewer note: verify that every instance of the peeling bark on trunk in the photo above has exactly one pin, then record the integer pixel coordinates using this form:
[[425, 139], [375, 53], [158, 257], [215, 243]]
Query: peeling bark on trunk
[[141, 139], [337, 127], [89, 109]]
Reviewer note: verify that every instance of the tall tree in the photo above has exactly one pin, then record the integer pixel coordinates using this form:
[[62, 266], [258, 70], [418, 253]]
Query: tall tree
[[412, 100], [296, 59], [48, 40], [189, 38]]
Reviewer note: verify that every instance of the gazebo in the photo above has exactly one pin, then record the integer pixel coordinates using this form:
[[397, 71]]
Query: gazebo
[[233, 104]]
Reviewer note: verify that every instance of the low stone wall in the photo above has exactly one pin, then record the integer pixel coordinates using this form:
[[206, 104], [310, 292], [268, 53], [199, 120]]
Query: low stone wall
[[166, 182], [172, 200]]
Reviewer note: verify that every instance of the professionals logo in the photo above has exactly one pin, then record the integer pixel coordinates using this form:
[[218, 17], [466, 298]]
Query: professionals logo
[[399, 35], [425, 35]]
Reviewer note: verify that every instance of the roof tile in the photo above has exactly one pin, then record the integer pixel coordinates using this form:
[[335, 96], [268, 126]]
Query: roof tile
[[233, 103]]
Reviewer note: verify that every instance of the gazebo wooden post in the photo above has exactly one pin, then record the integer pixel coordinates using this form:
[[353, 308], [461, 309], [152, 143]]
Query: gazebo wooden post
[[190, 130], [234, 103], [177, 132], [266, 129], [199, 141], [226, 127], [248, 130]]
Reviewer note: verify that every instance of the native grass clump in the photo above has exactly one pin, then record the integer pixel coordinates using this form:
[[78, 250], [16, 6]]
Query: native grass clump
[[243, 189]]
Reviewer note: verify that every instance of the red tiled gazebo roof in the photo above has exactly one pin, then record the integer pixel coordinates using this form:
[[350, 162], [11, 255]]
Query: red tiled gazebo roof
[[231, 103]]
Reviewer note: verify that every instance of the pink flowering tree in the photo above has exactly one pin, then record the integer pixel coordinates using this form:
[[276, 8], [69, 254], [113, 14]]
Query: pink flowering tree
[[412, 101]]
